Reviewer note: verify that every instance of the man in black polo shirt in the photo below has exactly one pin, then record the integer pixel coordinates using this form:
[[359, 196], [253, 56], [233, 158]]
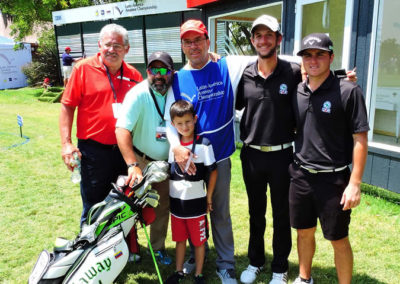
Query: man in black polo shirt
[[332, 128], [267, 131]]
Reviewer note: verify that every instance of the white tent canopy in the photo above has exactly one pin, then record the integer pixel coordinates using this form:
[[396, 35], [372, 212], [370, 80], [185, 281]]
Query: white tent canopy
[[11, 62]]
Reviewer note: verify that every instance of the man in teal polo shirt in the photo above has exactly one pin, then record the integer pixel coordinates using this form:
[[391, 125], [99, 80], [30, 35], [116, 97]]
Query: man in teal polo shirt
[[141, 137]]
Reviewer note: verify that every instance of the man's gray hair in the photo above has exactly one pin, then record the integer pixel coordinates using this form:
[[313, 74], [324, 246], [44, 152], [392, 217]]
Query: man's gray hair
[[114, 28]]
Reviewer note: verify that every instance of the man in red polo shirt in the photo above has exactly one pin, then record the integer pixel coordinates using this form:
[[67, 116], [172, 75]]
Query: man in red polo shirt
[[97, 88]]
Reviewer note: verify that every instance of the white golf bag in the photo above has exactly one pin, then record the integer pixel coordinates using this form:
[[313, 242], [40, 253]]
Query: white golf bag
[[100, 251]]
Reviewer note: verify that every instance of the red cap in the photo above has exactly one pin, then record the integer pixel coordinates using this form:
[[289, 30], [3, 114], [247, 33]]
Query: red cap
[[67, 48], [46, 80], [193, 26]]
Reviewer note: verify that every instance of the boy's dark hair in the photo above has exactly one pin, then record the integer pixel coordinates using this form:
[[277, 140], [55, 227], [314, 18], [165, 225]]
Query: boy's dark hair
[[180, 108]]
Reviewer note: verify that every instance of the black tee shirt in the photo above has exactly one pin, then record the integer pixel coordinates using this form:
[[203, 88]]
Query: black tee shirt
[[326, 119], [268, 116]]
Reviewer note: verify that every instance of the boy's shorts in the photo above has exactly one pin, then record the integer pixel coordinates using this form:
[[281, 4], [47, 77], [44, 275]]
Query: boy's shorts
[[313, 196], [194, 228]]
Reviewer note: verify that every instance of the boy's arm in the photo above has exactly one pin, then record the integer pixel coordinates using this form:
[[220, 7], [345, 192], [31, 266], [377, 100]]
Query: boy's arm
[[210, 189]]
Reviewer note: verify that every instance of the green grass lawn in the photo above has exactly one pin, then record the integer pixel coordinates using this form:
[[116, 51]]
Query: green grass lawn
[[38, 202]]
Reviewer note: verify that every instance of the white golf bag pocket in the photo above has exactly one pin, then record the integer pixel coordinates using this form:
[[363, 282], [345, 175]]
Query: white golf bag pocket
[[102, 264]]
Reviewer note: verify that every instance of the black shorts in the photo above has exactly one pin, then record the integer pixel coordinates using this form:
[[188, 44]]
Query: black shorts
[[313, 196]]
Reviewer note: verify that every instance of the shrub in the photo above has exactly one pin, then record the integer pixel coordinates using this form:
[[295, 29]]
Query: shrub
[[44, 61]]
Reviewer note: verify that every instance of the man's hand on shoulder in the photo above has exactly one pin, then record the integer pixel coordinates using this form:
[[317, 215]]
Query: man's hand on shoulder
[[351, 196], [352, 75], [214, 57]]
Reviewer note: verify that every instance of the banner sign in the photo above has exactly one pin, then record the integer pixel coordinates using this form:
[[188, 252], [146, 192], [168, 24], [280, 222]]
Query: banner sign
[[195, 3], [118, 10], [11, 63]]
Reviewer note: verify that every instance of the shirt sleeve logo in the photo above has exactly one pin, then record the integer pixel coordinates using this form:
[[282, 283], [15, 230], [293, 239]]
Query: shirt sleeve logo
[[283, 89], [326, 107]]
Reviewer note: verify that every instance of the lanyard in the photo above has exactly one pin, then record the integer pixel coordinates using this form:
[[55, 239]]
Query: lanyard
[[121, 70], [156, 104]]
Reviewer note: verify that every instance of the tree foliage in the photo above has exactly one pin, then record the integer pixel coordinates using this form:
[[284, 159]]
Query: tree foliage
[[240, 36], [27, 14], [44, 61]]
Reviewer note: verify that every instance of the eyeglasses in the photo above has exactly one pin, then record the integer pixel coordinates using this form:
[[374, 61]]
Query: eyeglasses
[[189, 43], [163, 71], [115, 46]]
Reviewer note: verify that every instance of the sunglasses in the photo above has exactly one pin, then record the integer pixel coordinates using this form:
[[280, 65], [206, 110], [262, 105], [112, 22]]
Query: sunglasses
[[163, 71]]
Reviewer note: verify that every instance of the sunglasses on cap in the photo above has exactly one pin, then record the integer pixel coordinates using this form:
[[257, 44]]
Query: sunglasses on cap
[[163, 71]]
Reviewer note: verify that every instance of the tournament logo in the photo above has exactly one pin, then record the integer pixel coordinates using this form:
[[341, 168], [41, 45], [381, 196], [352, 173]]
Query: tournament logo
[[118, 9], [283, 89], [189, 98], [326, 107]]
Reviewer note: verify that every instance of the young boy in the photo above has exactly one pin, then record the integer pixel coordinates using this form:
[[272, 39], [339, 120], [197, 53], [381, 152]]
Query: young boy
[[189, 204]]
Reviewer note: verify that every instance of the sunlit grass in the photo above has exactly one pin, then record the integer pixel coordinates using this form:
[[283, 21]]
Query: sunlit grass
[[38, 202]]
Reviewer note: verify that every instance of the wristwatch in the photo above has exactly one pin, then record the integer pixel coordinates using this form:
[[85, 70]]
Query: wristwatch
[[136, 164]]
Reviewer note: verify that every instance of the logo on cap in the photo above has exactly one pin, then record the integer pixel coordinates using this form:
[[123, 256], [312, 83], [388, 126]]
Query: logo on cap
[[311, 40]]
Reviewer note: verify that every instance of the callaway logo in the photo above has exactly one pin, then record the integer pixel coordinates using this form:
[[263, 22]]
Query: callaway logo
[[99, 267], [311, 41], [326, 107], [190, 99]]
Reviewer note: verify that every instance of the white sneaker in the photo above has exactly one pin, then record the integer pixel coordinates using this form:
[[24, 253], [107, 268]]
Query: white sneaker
[[299, 281], [189, 265], [227, 276], [279, 278], [250, 274]]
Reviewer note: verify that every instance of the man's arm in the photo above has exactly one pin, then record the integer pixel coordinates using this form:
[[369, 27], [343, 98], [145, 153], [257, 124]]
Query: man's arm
[[210, 189], [181, 153], [125, 145], [352, 194], [65, 125]]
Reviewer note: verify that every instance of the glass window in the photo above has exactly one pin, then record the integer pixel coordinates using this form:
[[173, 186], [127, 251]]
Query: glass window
[[385, 95], [326, 17], [233, 30]]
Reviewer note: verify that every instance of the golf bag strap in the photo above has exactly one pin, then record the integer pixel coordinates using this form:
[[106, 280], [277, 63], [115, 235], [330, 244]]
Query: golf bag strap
[[124, 198], [129, 201]]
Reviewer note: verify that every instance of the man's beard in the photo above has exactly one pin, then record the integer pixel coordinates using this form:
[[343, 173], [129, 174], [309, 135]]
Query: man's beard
[[162, 89], [269, 54]]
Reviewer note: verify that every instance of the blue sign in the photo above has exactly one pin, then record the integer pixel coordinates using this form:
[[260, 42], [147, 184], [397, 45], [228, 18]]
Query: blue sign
[[20, 120]]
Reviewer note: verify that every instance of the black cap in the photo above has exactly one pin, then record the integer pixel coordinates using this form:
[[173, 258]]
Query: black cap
[[316, 41], [163, 57]]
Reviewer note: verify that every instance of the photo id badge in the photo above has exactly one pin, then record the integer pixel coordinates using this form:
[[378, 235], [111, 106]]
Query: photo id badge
[[161, 132], [116, 107]]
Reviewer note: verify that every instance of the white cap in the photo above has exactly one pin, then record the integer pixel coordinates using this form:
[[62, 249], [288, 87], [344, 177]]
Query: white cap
[[268, 21]]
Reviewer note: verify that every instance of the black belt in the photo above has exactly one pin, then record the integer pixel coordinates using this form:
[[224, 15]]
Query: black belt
[[143, 155], [98, 144]]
